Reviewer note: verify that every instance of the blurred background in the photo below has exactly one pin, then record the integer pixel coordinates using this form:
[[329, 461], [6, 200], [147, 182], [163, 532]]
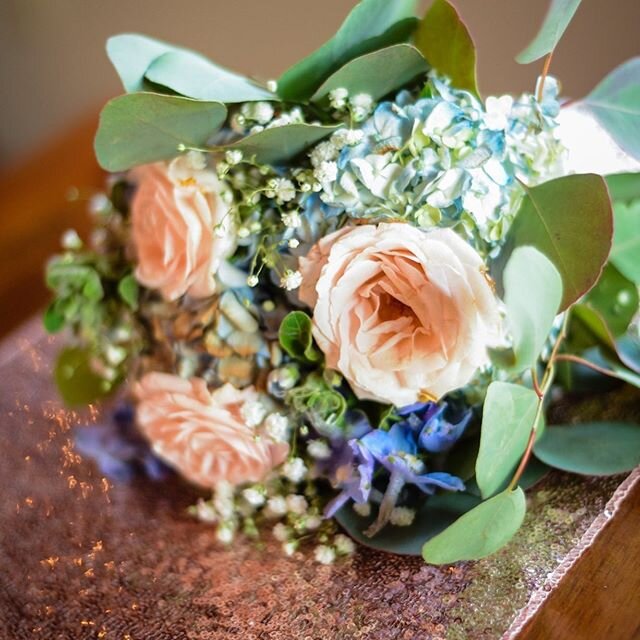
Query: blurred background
[[55, 77]]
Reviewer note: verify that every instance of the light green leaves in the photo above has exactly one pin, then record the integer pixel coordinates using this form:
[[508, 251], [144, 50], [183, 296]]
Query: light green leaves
[[533, 291], [192, 75], [279, 144], [507, 418], [615, 103], [296, 338], [128, 290], [555, 24], [479, 532], [445, 42], [371, 25], [77, 382], [145, 127], [131, 54], [377, 73], [594, 448], [139, 59], [569, 220], [625, 253]]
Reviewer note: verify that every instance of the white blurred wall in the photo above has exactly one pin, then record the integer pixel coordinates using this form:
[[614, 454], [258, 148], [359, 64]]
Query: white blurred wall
[[53, 68]]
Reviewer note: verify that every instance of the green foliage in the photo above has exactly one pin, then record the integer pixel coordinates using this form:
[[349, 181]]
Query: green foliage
[[193, 76], [138, 128], [615, 103], [131, 54], [507, 419], [593, 448], [377, 73], [77, 382], [279, 144], [533, 291], [624, 187], [371, 25], [569, 220], [129, 291], [316, 399], [445, 42], [555, 24], [434, 516], [479, 532], [625, 253], [296, 338], [615, 298]]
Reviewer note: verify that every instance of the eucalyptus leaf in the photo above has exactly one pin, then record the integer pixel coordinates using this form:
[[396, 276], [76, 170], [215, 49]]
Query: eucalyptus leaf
[[445, 42], [377, 73], [625, 253], [615, 297], [615, 103], [592, 448], [568, 219], [533, 473], [129, 290], [479, 532], [624, 187], [371, 25], [533, 291], [553, 27], [192, 75], [296, 338], [435, 515], [131, 54], [77, 382], [507, 419], [279, 144], [138, 128]]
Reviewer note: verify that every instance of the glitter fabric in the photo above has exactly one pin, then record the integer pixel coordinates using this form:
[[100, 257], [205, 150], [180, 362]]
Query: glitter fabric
[[84, 559]]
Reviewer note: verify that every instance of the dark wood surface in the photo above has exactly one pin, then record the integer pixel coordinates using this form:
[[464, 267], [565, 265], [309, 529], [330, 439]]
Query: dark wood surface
[[600, 596]]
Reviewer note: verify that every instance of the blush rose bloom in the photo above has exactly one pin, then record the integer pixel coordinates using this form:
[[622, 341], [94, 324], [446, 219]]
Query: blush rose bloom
[[403, 314], [203, 435], [181, 230]]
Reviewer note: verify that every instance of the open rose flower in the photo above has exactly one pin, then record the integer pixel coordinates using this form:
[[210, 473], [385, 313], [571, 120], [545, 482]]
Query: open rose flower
[[203, 435], [181, 230], [403, 314]]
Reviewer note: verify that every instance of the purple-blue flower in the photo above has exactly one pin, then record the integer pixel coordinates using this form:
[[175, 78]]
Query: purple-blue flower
[[118, 449]]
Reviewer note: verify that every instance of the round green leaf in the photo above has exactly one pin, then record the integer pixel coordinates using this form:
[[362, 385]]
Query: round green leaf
[[625, 253], [615, 103], [192, 75], [145, 127], [296, 339], [555, 24], [371, 25], [592, 449], [479, 532], [279, 144], [77, 383], [533, 291], [436, 514], [445, 42], [507, 419], [549, 219], [129, 290], [624, 187], [131, 54], [377, 73]]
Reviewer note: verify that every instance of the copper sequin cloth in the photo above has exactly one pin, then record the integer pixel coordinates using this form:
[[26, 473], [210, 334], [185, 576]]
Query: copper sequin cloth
[[80, 558]]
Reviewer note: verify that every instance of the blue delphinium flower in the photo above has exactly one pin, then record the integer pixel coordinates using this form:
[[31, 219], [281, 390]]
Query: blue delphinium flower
[[118, 449]]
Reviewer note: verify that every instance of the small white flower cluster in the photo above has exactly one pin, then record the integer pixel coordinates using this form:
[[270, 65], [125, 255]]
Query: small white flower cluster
[[360, 105]]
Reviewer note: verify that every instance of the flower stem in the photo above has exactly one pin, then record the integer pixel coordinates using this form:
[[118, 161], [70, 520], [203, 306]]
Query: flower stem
[[543, 77], [541, 391]]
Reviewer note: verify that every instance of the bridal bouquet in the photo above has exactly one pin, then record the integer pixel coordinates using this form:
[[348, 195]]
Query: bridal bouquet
[[340, 301]]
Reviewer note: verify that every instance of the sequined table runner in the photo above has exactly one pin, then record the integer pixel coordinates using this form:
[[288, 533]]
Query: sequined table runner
[[81, 558]]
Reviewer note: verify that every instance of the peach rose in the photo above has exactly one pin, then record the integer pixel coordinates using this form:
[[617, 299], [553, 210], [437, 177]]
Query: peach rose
[[203, 435], [402, 313], [181, 230]]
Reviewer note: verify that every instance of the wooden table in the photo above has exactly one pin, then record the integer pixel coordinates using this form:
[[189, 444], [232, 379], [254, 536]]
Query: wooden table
[[598, 598]]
